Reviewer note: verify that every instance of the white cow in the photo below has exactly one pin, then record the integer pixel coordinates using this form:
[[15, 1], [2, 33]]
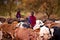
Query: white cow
[[57, 21], [38, 24], [20, 25], [44, 31]]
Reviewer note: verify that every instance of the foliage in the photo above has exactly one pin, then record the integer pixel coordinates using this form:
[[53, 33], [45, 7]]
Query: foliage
[[7, 7], [46, 6]]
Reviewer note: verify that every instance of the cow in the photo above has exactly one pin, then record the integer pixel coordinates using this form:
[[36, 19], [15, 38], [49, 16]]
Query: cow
[[25, 34], [17, 33], [8, 29], [38, 24]]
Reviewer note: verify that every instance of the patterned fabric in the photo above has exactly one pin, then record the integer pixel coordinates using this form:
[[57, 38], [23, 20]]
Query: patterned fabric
[[18, 14], [32, 20]]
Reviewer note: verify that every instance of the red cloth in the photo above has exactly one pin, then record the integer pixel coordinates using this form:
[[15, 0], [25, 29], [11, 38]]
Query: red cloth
[[33, 20], [18, 15]]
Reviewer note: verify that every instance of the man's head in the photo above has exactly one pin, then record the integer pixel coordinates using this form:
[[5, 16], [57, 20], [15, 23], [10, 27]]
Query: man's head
[[32, 13]]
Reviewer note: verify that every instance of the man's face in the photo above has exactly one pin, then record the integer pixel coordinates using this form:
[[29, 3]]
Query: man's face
[[32, 13]]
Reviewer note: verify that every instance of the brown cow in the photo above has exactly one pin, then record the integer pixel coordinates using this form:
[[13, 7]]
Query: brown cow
[[8, 29], [25, 34], [19, 33]]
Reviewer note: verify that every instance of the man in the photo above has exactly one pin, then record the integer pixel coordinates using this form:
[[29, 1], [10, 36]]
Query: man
[[18, 15], [32, 20]]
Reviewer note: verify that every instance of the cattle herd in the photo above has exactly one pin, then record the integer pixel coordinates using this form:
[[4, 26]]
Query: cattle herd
[[9, 31]]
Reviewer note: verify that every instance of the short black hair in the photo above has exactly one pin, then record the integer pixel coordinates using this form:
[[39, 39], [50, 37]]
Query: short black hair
[[32, 13]]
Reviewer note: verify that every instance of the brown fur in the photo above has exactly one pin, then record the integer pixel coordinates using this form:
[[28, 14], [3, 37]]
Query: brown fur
[[26, 34]]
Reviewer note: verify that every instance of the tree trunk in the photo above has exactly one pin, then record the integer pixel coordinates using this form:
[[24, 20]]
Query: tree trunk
[[10, 14], [48, 16]]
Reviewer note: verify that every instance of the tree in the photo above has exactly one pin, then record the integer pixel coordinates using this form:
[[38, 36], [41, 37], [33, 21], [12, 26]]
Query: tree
[[7, 6], [46, 6], [58, 9], [31, 5], [51, 7]]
